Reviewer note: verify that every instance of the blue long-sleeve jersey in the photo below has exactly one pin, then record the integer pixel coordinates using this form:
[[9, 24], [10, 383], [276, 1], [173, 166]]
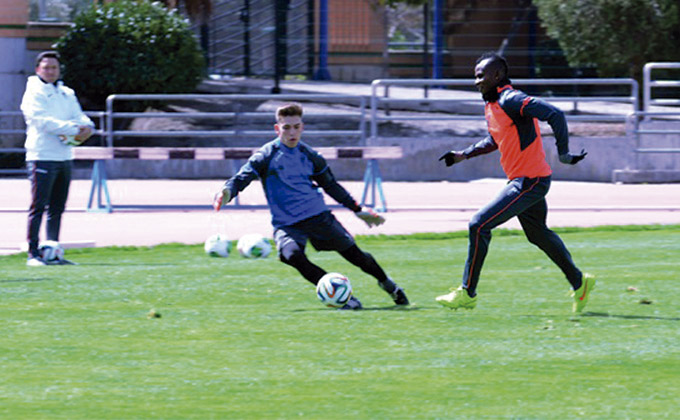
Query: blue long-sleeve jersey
[[290, 179]]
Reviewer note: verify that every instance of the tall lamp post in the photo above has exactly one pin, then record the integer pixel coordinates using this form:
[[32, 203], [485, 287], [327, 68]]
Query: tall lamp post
[[280, 42], [322, 72], [245, 18], [437, 61]]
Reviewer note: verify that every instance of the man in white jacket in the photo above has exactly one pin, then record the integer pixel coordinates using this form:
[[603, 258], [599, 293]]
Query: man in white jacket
[[54, 124]]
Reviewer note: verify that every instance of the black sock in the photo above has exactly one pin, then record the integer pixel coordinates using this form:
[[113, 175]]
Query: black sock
[[294, 256], [365, 262]]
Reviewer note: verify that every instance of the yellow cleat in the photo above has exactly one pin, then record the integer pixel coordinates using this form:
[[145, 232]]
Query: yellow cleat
[[458, 298], [581, 295]]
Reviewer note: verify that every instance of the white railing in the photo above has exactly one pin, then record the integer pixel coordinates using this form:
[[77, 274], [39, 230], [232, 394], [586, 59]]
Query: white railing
[[372, 178], [381, 101], [661, 140], [99, 115], [456, 97], [633, 128], [648, 84], [111, 115]]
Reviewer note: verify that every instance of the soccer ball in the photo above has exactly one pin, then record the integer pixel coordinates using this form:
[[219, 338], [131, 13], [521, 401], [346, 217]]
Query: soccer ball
[[69, 140], [51, 251], [334, 290], [254, 245], [217, 245]]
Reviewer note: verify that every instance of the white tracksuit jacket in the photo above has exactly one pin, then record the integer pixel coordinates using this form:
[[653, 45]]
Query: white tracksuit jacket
[[49, 111]]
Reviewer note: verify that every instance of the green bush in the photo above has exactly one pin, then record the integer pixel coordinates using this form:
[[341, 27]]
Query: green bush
[[616, 36], [130, 47]]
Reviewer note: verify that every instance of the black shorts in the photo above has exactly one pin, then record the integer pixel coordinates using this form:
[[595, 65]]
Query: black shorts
[[323, 231]]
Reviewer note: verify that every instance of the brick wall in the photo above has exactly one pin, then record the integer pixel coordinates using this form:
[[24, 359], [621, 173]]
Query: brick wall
[[357, 40], [41, 36], [13, 18], [356, 26]]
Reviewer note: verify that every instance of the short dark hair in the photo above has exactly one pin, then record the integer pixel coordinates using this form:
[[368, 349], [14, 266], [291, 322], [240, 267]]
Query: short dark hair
[[496, 60], [289, 110], [47, 54]]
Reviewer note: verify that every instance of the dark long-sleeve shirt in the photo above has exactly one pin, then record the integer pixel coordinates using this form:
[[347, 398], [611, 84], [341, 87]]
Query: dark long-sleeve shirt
[[290, 179]]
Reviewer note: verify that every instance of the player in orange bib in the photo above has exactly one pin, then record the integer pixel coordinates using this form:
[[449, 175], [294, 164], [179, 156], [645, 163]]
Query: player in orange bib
[[512, 120]]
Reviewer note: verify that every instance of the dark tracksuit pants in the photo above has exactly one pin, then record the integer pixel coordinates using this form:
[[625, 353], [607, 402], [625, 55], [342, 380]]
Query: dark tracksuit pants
[[524, 198], [50, 182]]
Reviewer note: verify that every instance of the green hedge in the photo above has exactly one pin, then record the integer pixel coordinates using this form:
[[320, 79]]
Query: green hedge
[[130, 47]]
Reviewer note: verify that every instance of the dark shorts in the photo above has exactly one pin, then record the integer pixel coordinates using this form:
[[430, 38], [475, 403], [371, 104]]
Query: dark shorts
[[323, 231]]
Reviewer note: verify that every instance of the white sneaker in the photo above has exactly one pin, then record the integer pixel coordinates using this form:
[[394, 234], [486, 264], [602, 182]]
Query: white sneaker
[[35, 262]]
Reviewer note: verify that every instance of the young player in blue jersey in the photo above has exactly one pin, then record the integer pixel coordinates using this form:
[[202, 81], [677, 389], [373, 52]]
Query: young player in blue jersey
[[291, 173]]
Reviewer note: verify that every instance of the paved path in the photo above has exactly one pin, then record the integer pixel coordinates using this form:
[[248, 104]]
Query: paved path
[[150, 212]]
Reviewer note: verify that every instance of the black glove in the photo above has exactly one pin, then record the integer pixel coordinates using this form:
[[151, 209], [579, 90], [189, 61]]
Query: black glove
[[449, 158], [571, 159]]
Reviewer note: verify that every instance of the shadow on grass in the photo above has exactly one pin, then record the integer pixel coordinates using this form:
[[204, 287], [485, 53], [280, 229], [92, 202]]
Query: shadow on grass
[[394, 308], [124, 264], [25, 280], [383, 308], [607, 315]]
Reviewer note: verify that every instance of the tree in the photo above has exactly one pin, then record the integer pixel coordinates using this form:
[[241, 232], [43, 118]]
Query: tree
[[617, 36], [199, 12], [130, 47], [405, 23]]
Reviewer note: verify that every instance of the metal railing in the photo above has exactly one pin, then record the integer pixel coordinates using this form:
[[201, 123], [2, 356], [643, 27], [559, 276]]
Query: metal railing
[[459, 97], [634, 122], [648, 84], [636, 119], [107, 118], [16, 132], [99, 177], [111, 115], [377, 102], [99, 115], [22, 130]]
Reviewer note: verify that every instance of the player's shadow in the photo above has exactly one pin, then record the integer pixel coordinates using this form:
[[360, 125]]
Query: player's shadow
[[392, 308], [375, 308], [127, 264], [608, 315], [25, 280]]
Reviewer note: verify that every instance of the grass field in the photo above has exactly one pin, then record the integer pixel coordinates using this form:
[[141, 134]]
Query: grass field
[[247, 339]]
